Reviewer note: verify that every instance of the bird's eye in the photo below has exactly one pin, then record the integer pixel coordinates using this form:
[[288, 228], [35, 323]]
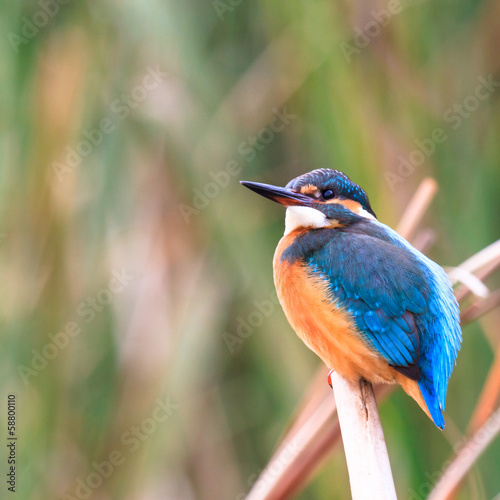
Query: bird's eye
[[328, 194]]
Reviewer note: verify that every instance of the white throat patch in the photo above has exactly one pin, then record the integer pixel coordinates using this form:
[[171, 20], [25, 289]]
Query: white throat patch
[[304, 217]]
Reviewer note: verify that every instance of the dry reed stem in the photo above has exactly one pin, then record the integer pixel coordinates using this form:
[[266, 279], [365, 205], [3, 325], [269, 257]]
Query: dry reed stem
[[481, 307], [370, 474], [482, 264], [417, 207]]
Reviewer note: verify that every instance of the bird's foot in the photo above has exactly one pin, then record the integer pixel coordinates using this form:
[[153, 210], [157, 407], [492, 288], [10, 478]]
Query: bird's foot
[[330, 378]]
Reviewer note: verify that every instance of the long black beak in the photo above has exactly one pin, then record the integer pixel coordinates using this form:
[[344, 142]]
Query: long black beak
[[285, 196]]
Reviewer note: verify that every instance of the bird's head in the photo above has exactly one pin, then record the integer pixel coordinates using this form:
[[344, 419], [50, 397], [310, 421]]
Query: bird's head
[[319, 199]]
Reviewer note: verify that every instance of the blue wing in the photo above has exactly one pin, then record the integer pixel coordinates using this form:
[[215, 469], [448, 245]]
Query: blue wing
[[441, 322]]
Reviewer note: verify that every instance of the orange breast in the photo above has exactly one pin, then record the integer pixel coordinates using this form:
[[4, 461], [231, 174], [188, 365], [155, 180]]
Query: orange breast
[[324, 327]]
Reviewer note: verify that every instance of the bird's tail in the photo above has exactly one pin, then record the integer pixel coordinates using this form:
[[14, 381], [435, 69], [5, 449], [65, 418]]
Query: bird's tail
[[432, 401], [425, 397]]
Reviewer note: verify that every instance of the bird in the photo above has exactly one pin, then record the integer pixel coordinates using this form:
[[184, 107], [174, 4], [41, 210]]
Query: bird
[[358, 294]]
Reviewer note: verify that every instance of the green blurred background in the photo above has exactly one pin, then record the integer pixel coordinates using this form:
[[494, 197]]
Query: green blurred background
[[125, 127]]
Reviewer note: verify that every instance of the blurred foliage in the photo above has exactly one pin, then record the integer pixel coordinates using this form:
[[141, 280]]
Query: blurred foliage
[[107, 170]]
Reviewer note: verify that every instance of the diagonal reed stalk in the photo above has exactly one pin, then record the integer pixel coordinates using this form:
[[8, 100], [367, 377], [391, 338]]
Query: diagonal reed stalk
[[315, 426]]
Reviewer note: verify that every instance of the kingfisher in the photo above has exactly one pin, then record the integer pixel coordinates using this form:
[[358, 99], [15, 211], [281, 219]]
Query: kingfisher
[[359, 295]]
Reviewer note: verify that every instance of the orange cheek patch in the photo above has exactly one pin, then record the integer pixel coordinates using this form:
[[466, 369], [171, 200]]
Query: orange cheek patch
[[308, 189], [351, 205]]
